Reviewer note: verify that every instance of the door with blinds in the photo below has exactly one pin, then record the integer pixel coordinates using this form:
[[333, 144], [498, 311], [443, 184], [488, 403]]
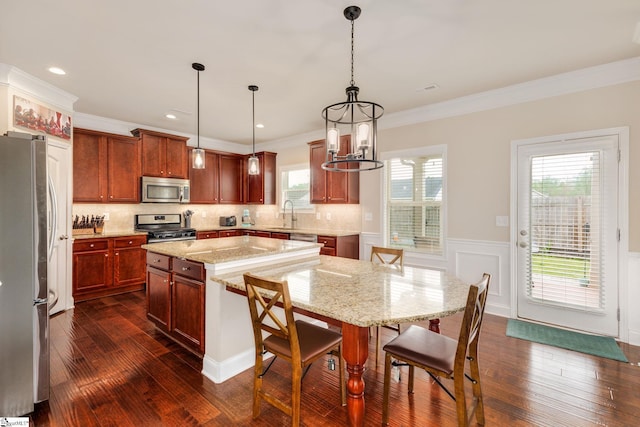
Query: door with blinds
[[567, 233]]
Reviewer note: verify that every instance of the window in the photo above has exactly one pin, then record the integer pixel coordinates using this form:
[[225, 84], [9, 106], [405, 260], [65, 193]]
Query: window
[[295, 185], [414, 201]]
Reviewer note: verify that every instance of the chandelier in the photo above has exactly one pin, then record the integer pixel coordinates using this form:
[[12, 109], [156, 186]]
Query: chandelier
[[359, 119]]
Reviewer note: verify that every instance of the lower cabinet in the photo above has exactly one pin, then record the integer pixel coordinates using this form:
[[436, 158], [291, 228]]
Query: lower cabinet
[[206, 234], [176, 298], [108, 266], [342, 246]]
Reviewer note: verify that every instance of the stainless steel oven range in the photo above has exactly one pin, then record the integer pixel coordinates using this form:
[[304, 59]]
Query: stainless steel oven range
[[163, 227]]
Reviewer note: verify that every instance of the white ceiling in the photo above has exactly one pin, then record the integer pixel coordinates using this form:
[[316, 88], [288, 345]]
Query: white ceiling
[[131, 59]]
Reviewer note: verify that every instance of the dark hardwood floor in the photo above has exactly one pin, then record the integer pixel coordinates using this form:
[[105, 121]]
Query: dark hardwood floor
[[109, 367]]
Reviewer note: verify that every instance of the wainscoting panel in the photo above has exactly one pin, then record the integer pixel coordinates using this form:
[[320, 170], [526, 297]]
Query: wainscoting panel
[[468, 259], [631, 304]]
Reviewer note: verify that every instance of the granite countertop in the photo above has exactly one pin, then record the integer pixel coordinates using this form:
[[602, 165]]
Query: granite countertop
[[316, 231], [108, 234], [215, 251], [363, 293]]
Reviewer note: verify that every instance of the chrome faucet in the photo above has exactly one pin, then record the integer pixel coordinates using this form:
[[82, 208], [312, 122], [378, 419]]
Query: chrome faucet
[[284, 208]]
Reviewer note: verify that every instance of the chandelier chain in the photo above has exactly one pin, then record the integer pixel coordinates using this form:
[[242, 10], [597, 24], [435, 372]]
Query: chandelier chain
[[353, 83]]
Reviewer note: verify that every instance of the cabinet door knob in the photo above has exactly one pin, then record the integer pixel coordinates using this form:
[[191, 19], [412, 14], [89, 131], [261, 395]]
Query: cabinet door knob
[[111, 197], [117, 253], [156, 260], [131, 242], [106, 255], [91, 245], [186, 268]]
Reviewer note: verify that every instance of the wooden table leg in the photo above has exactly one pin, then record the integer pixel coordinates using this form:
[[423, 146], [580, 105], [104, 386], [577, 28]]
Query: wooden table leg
[[355, 348], [434, 325]]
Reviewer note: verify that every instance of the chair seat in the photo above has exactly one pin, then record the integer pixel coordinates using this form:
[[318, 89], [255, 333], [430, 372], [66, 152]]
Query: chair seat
[[313, 339], [424, 347]]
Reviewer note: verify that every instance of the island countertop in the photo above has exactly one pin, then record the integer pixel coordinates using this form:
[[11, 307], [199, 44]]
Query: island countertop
[[362, 293], [229, 249]]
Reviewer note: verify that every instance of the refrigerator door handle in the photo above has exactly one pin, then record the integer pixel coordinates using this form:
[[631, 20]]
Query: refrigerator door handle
[[53, 217], [39, 301], [53, 299]]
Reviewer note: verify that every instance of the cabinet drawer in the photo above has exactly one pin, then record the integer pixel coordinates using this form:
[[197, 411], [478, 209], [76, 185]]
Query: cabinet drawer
[[183, 267], [206, 235], [329, 242], [158, 261], [328, 251], [90, 245], [129, 241]]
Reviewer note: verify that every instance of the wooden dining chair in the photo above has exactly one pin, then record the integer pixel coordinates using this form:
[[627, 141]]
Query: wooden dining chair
[[444, 357], [298, 342], [388, 256]]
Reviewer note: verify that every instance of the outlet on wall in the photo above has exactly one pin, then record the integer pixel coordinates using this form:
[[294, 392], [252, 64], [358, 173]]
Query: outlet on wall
[[106, 216], [318, 215], [204, 214], [328, 216]]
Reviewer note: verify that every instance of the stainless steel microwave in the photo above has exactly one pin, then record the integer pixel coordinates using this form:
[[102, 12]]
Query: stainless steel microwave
[[165, 190]]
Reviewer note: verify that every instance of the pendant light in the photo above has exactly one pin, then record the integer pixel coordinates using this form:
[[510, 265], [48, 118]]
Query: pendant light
[[198, 153], [254, 163], [356, 118]]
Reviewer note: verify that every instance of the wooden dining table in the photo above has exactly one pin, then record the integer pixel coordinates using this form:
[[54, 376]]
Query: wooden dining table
[[356, 295]]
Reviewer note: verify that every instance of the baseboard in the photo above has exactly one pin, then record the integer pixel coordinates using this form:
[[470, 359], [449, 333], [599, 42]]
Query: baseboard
[[219, 372]]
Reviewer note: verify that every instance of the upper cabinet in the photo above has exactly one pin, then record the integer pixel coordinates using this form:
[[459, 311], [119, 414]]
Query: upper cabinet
[[260, 189], [106, 167], [163, 155], [230, 178], [204, 182], [220, 181], [332, 187]]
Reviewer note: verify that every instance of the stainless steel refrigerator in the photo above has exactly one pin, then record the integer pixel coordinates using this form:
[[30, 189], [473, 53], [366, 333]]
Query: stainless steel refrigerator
[[24, 248]]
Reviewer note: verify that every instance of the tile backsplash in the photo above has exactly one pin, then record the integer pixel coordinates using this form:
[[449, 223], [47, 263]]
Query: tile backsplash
[[121, 216]]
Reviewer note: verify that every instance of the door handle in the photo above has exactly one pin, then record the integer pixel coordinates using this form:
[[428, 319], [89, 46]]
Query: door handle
[[523, 244]]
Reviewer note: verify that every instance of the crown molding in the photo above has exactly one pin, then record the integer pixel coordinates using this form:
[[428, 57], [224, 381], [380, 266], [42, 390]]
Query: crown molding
[[16, 78], [561, 84], [119, 127]]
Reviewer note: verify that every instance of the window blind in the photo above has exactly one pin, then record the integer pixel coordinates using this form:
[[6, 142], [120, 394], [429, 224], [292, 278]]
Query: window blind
[[414, 203], [565, 260]]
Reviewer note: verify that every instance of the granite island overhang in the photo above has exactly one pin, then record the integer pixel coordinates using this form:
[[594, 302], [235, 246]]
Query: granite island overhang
[[229, 345], [233, 253]]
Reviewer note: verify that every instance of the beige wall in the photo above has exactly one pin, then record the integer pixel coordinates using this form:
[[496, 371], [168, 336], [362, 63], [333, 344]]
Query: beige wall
[[478, 156], [5, 107]]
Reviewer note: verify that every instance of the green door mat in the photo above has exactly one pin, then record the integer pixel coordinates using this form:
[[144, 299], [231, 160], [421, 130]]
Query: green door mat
[[584, 343]]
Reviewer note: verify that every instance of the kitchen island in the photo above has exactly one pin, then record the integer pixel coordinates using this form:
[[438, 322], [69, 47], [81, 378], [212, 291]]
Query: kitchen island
[[184, 303]]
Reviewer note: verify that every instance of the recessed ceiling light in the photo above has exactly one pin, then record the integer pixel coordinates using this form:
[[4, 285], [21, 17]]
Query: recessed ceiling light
[[170, 116], [260, 125], [58, 71]]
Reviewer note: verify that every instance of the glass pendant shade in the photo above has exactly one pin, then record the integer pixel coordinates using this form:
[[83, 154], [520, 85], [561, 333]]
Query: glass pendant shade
[[333, 140], [197, 158], [254, 165]]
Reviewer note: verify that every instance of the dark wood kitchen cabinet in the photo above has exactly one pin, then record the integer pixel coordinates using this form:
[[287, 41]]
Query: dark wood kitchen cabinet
[[108, 266], [106, 167], [331, 187], [176, 298], [230, 178], [261, 188], [220, 181], [204, 182], [342, 246], [163, 155]]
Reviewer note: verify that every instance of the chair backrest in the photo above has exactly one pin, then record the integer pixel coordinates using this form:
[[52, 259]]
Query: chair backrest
[[263, 316], [472, 320], [387, 255]]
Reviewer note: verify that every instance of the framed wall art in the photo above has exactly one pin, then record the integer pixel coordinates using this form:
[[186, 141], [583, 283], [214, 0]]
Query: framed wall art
[[30, 115]]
